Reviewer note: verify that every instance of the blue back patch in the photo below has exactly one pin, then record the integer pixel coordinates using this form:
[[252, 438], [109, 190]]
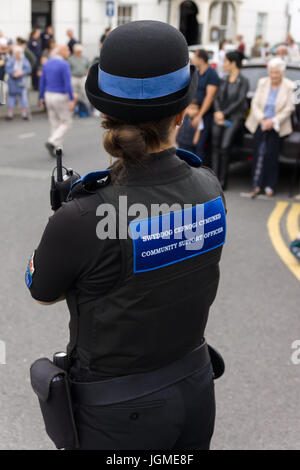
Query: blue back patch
[[175, 236]]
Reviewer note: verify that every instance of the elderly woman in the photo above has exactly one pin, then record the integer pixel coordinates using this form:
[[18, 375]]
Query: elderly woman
[[17, 68], [269, 121]]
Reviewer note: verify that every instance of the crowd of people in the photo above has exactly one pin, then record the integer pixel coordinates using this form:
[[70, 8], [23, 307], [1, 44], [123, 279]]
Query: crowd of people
[[218, 113], [58, 73], [221, 110]]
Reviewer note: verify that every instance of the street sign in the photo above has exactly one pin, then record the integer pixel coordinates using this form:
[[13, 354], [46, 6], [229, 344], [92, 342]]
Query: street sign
[[110, 9]]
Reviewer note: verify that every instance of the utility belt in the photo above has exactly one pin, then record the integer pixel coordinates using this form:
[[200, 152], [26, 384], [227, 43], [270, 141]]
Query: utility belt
[[57, 393]]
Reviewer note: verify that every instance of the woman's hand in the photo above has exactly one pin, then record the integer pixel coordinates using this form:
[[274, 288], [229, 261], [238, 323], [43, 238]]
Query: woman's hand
[[219, 118], [18, 74], [267, 124]]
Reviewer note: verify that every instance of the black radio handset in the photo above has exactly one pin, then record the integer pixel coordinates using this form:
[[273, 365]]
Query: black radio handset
[[59, 166], [61, 186]]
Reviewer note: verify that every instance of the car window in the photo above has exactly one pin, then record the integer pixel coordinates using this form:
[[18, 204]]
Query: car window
[[293, 74], [254, 74]]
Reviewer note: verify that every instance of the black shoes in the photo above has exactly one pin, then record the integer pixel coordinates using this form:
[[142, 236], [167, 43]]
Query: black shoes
[[50, 148]]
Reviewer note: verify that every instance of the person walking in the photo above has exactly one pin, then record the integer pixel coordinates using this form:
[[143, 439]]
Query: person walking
[[140, 369], [79, 65], [57, 94], [270, 120], [17, 68]]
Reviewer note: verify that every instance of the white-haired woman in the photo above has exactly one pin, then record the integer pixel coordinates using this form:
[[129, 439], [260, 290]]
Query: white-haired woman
[[269, 121], [17, 68]]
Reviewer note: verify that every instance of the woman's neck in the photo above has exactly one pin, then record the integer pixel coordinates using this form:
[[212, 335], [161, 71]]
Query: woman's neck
[[233, 75], [165, 145], [162, 147], [275, 84]]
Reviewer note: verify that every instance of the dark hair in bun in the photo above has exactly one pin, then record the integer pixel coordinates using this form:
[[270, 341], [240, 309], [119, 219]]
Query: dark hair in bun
[[235, 56]]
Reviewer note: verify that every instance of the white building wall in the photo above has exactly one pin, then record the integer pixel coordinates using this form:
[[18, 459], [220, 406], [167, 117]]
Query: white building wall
[[152, 10], [276, 23], [94, 19], [294, 11], [15, 18], [65, 16]]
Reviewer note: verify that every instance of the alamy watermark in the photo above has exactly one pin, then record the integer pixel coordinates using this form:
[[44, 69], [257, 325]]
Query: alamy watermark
[[296, 94], [295, 357], [162, 222], [2, 352]]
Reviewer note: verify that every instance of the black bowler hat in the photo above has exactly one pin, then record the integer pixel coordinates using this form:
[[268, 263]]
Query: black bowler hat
[[143, 74]]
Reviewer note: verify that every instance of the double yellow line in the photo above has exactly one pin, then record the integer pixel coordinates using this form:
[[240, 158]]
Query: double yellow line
[[293, 229]]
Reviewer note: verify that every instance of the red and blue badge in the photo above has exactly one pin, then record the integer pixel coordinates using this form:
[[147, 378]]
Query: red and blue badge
[[29, 271]]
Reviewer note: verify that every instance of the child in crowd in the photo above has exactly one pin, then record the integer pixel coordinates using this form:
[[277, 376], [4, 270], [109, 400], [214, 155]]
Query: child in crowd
[[187, 136]]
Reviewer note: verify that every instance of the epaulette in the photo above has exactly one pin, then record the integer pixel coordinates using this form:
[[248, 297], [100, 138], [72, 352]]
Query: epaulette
[[90, 183], [189, 157]]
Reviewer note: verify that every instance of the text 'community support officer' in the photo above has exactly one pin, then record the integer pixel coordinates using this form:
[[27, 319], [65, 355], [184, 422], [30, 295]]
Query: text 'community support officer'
[[140, 370]]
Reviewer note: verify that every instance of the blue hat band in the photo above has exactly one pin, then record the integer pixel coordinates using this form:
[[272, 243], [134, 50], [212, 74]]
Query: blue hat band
[[144, 88]]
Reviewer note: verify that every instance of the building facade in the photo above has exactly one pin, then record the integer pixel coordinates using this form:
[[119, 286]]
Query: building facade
[[203, 21]]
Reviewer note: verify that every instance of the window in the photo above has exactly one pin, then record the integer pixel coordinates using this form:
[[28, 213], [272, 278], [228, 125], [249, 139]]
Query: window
[[124, 14], [261, 24], [222, 19]]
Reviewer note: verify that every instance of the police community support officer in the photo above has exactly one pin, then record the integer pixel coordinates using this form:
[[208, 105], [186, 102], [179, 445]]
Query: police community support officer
[[138, 306]]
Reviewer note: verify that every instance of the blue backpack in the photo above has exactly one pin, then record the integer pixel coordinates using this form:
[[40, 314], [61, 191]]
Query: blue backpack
[[82, 110]]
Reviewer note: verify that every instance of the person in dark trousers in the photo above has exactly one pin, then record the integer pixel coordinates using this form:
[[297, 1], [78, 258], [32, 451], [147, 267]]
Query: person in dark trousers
[[47, 36], [270, 120], [230, 111], [187, 136], [72, 40], [208, 83], [139, 296], [34, 44]]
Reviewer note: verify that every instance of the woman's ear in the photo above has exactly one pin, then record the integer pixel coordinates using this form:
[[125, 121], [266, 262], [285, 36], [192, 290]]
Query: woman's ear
[[179, 118]]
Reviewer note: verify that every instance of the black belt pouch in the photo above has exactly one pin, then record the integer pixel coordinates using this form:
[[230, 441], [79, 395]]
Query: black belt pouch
[[51, 384]]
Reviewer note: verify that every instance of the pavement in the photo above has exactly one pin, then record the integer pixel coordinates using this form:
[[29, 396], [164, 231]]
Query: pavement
[[253, 321], [33, 98]]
